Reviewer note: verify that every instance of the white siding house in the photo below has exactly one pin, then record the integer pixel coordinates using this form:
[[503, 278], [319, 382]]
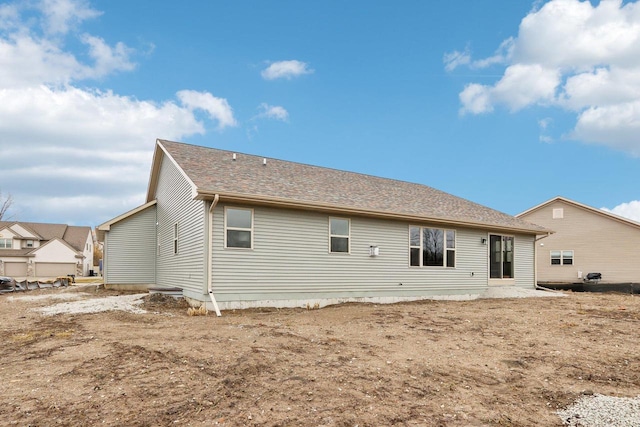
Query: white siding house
[[39, 250], [240, 231]]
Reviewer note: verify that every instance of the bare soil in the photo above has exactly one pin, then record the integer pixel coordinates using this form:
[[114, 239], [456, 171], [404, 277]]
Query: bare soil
[[495, 362]]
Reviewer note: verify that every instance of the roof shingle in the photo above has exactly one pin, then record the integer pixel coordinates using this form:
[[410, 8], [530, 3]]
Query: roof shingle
[[215, 171], [75, 236]]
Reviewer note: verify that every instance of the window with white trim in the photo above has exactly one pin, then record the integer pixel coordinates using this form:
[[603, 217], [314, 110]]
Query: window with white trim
[[238, 228], [501, 256], [432, 247], [175, 238], [6, 243], [339, 235], [561, 257]]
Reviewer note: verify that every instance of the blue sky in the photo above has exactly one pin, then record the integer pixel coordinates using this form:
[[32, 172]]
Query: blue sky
[[505, 103]]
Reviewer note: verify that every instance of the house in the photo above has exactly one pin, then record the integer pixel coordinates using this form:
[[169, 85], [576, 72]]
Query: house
[[240, 230], [37, 250], [586, 240]]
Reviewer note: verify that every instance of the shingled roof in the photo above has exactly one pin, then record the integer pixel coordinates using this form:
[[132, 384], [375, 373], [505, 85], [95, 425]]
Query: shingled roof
[[75, 236], [254, 179]]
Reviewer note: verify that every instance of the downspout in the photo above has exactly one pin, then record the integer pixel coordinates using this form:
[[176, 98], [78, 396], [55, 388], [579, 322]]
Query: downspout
[[210, 254], [535, 263]]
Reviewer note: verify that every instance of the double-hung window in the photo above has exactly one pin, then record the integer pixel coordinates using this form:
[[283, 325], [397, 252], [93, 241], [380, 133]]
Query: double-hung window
[[238, 224], [501, 250], [339, 235], [561, 257], [432, 247], [6, 243]]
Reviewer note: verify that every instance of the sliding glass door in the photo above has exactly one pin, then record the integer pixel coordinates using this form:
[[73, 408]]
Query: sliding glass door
[[501, 256]]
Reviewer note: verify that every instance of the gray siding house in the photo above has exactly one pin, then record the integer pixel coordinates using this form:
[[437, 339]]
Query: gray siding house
[[235, 230]]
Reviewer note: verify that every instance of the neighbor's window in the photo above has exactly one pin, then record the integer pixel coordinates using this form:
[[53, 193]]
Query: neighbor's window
[[501, 250], [28, 243], [561, 257], [339, 234], [6, 243], [238, 228], [432, 247], [175, 238]]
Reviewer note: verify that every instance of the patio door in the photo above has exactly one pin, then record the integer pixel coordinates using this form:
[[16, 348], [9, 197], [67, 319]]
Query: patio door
[[501, 257]]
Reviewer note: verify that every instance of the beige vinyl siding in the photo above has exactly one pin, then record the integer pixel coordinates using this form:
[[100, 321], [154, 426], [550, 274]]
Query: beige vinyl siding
[[290, 259], [601, 244], [130, 250], [176, 206]]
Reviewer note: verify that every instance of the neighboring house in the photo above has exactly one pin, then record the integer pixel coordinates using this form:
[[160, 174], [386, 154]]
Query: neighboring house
[[245, 231], [36, 250], [585, 240]]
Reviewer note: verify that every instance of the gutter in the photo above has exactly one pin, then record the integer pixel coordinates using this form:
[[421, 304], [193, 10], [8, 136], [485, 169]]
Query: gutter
[[209, 241]]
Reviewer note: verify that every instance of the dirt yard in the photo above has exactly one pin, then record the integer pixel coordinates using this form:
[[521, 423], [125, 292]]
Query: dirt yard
[[496, 362]]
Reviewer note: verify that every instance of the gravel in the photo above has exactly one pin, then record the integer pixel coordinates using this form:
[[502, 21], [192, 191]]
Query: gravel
[[602, 411], [128, 303]]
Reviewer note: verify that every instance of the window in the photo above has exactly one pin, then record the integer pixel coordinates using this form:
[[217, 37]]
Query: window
[[432, 247], [175, 238], [28, 243], [561, 257], [339, 234], [501, 250], [6, 243], [238, 228]]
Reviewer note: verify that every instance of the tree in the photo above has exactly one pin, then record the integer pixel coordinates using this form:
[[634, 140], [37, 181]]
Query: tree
[[5, 204], [97, 253]]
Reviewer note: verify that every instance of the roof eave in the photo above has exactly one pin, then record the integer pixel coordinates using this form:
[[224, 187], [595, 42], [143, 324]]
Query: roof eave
[[295, 204], [588, 208]]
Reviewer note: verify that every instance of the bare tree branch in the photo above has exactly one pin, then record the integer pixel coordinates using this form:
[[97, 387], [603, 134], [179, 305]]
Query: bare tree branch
[[5, 204]]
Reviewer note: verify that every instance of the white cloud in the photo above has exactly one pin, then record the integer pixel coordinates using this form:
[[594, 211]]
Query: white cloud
[[32, 50], [525, 84], [574, 55], [71, 154], [275, 112], [630, 210], [107, 58], [544, 125], [520, 86], [217, 108], [286, 70], [617, 126], [60, 15], [476, 99], [455, 59]]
